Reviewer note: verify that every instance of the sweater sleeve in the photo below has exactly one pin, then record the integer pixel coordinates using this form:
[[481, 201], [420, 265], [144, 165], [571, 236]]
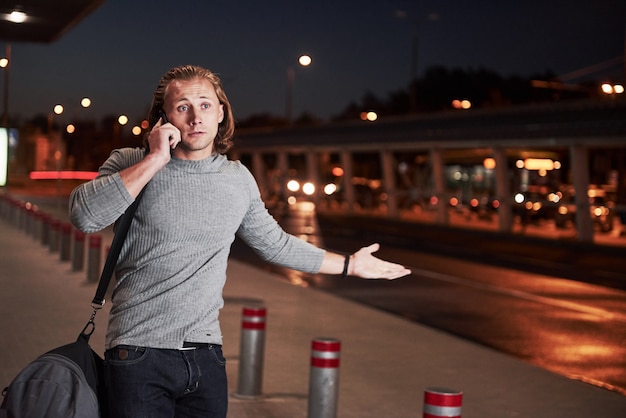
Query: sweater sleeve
[[266, 237], [98, 203]]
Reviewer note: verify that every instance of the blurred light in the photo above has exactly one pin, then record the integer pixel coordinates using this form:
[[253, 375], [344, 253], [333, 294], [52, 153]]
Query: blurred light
[[292, 200], [554, 197], [63, 175], [4, 62], [85, 102], [369, 116], [293, 185], [461, 104], [612, 88], [474, 202], [519, 198], [136, 130], [305, 60], [330, 188], [308, 188], [145, 124], [337, 171], [454, 201], [17, 16], [538, 164], [519, 163], [4, 155], [123, 119], [434, 200], [489, 163], [70, 129], [599, 211], [562, 210], [495, 204], [58, 109]]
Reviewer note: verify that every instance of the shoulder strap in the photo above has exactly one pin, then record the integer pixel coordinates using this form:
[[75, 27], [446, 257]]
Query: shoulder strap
[[114, 252]]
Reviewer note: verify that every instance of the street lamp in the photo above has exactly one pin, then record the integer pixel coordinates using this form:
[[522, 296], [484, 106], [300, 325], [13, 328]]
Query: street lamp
[[4, 63], [404, 15], [304, 61]]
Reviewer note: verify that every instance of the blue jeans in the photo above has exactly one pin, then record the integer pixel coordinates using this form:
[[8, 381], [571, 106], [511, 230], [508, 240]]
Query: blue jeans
[[154, 383]]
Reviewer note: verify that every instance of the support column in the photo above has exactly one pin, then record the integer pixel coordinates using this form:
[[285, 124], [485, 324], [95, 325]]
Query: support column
[[389, 181], [436, 164], [258, 170], [580, 179], [503, 191], [346, 181]]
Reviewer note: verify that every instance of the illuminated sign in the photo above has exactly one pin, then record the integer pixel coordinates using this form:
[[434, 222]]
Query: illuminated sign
[[4, 155], [538, 164]]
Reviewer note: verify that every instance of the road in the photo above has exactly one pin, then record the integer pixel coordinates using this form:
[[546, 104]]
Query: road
[[558, 306], [560, 309]]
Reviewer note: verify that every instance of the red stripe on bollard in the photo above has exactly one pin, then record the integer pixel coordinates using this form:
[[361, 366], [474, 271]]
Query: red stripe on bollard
[[95, 241], [253, 318], [325, 353], [79, 236], [442, 403]]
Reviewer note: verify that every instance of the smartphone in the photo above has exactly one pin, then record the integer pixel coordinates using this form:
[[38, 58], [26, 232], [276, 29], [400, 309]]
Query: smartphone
[[163, 118]]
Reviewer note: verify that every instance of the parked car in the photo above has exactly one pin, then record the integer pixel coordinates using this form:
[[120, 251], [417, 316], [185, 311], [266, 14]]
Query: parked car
[[601, 209]]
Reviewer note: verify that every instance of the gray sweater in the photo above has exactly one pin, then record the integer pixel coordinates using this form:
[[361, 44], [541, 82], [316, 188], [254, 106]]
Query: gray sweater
[[172, 267]]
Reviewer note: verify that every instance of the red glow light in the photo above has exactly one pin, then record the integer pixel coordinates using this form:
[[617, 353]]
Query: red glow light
[[63, 175]]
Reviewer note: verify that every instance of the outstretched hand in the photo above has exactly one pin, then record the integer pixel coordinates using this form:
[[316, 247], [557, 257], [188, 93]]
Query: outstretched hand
[[363, 264]]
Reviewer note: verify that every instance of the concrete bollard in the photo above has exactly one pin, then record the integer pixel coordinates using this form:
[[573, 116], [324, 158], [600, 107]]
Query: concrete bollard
[[251, 352], [66, 241], [53, 241], [38, 230], [78, 253], [442, 403], [26, 217], [324, 378], [45, 229], [93, 259]]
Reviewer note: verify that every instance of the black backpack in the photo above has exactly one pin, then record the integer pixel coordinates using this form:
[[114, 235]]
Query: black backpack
[[63, 383]]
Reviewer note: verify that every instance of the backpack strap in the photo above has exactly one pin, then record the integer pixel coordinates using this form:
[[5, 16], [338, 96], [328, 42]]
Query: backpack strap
[[109, 266]]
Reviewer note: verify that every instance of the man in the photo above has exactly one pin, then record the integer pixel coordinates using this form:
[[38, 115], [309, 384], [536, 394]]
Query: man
[[163, 344]]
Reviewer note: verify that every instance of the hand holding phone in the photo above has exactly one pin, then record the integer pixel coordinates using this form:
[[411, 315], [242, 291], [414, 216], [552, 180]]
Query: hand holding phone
[[171, 139]]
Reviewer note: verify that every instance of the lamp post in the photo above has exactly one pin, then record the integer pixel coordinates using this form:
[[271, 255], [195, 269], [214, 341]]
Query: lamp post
[[4, 63], [401, 14], [304, 61]]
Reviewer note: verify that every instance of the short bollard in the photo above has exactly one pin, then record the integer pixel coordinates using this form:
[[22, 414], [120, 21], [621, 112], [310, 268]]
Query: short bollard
[[53, 241], [35, 223], [324, 378], [442, 403], [45, 229], [93, 259], [66, 241], [251, 352], [78, 254]]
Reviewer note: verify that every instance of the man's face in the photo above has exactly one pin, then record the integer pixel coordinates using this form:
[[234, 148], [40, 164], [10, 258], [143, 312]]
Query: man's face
[[192, 106]]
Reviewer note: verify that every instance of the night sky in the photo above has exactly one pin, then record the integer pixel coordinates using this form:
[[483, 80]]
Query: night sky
[[117, 54]]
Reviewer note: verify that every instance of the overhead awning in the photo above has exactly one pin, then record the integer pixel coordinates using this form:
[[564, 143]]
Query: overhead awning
[[45, 20]]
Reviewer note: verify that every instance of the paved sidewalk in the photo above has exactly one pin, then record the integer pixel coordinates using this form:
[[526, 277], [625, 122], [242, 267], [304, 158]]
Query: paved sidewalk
[[386, 361]]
